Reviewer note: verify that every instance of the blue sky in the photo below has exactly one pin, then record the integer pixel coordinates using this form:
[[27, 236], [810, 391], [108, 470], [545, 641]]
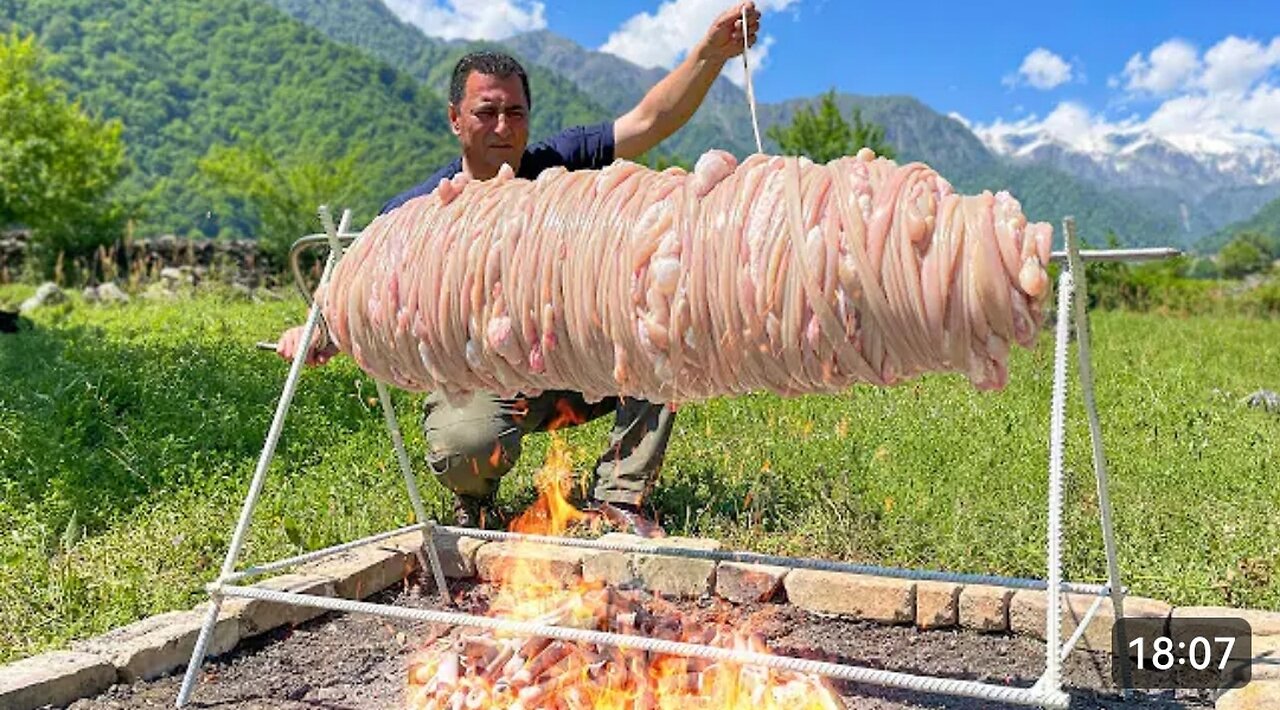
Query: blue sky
[[1089, 66]]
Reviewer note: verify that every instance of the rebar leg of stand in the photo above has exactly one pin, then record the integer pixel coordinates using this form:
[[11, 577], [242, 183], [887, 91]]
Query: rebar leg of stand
[[415, 497], [251, 501], [1051, 681], [1085, 359], [259, 478]]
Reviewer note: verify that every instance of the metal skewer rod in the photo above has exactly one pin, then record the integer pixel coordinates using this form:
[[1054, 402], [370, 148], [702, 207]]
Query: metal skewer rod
[[1137, 254]]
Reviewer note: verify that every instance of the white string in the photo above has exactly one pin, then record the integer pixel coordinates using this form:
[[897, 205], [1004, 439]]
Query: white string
[[746, 70]]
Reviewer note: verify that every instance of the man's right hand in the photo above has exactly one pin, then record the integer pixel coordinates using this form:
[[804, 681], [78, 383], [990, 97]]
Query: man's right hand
[[319, 353]]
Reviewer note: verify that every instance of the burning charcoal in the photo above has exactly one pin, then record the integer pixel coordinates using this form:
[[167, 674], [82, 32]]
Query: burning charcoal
[[756, 679], [666, 631], [476, 650], [567, 669], [692, 682], [418, 696], [720, 681], [505, 653], [423, 672], [826, 695], [575, 699], [701, 635], [533, 646], [625, 623], [616, 676], [755, 643], [536, 665], [533, 696], [647, 700], [448, 671]]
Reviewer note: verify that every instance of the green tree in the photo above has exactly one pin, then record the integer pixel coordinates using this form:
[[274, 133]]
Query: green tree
[[58, 164], [1245, 254], [825, 135], [656, 160], [283, 192]]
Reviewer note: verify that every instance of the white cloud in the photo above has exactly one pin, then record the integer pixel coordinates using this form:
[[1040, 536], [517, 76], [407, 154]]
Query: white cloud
[[756, 56], [1223, 100], [661, 38], [1170, 66], [1219, 122], [1234, 64], [455, 19], [1069, 122], [1041, 69]]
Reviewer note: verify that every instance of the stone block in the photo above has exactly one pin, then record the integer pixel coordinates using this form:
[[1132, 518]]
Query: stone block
[[985, 608], [526, 562], [1028, 607], [873, 598], [937, 604], [258, 616], [610, 567], [159, 644], [743, 583], [677, 576], [1262, 623], [364, 571], [1257, 695], [458, 555], [1266, 657], [58, 678]]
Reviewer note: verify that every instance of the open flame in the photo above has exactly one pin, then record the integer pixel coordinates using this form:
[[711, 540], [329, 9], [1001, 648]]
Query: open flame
[[493, 670]]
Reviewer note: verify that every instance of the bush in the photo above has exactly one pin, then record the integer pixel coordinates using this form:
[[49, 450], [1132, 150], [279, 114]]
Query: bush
[[1241, 257], [1182, 285], [58, 164]]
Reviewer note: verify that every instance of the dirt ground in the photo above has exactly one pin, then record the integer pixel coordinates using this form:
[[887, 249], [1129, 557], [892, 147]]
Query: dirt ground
[[358, 662]]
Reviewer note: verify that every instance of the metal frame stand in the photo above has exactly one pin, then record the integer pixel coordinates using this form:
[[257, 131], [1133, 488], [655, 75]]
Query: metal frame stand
[[1047, 691]]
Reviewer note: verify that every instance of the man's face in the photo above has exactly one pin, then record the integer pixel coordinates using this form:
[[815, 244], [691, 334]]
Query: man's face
[[492, 122]]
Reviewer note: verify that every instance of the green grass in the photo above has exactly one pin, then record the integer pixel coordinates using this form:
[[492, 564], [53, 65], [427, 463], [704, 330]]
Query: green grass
[[128, 437]]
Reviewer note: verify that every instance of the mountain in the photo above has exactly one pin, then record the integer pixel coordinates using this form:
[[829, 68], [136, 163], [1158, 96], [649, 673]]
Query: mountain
[[185, 75], [606, 85], [916, 132], [1203, 184], [315, 77], [722, 121], [369, 26], [1265, 222]]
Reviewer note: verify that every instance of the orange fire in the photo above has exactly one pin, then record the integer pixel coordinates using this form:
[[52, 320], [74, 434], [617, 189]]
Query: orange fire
[[494, 670]]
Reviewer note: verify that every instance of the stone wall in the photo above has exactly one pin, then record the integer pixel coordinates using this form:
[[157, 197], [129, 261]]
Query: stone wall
[[232, 260]]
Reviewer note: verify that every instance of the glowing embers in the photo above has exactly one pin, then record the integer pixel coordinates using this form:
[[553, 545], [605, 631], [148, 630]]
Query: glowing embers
[[491, 670]]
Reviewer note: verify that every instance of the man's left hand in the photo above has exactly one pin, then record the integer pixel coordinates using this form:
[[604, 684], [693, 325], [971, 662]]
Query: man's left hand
[[724, 38]]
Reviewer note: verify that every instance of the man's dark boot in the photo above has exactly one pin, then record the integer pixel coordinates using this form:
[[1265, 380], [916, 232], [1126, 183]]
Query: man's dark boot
[[628, 518], [473, 512]]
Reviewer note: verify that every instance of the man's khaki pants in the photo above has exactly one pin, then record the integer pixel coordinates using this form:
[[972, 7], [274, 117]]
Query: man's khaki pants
[[472, 446]]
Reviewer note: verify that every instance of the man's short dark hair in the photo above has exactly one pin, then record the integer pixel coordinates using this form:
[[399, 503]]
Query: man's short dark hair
[[488, 63]]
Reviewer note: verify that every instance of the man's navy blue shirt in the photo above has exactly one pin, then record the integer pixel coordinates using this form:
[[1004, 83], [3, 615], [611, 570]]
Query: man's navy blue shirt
[[577, 148]]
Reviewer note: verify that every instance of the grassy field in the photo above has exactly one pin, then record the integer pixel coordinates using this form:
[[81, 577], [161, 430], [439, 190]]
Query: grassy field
[[128, 437]]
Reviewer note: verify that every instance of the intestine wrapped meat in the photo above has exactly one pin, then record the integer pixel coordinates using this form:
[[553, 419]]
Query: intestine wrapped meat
[[777, 275]]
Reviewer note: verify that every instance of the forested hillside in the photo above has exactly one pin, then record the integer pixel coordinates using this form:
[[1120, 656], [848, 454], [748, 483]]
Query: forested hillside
[[1266, 223], [918, 132], [369, 26], [315, 80], [184, 76]]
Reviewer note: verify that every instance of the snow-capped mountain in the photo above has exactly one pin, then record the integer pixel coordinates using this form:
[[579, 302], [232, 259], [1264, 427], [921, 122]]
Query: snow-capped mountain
[[1205, 182]]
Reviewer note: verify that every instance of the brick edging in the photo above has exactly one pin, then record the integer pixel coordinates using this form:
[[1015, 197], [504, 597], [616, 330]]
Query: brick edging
[[162, 644]]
